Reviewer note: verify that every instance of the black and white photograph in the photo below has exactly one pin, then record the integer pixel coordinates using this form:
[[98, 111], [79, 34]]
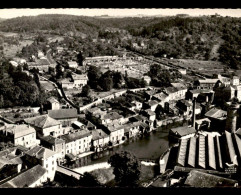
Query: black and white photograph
[[120, 98]]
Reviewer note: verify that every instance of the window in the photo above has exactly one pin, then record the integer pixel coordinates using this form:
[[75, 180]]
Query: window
[[46, 165], [53, 162], [22, 138], [53, 169], [79, 147], [67, 151], [84, 140]]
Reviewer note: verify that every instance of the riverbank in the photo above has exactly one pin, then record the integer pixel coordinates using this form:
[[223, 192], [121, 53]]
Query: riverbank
[[89, 168]]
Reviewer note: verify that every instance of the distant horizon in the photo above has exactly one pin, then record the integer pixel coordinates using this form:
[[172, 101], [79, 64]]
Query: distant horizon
[[13, 13]]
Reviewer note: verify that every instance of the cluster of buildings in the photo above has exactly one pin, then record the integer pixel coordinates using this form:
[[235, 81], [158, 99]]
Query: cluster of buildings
[[212, 153], [76, 81]]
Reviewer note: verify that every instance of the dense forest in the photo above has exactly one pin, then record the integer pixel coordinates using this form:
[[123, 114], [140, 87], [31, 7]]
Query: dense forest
[[203, 38], [19, 89]]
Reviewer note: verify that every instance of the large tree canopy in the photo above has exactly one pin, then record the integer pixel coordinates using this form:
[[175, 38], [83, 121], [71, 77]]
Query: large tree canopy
[[126, 168]]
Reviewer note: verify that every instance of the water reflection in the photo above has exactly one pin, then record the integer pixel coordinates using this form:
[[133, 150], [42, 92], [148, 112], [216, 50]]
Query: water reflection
[[150, 146]]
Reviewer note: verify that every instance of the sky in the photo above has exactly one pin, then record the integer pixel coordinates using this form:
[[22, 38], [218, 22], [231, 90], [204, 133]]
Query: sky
[[12, 13]]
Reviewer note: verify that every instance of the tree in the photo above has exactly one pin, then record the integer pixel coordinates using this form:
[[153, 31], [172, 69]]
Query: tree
[[89, 180], [85, 91], [107, 83], [126, 168], [80, 58]]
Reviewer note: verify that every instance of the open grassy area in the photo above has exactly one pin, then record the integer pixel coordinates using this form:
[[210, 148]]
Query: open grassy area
[[198, 64], [11, 50]]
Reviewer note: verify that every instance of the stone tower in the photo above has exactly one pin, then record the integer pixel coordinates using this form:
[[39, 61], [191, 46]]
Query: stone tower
[[231, 121]]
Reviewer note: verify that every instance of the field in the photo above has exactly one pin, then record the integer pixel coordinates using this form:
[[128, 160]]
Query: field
[[133, 69], [11, 50]]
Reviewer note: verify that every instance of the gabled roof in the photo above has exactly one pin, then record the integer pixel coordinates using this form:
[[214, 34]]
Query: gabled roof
[[79, 76], [211, 152], [152, 102], [72, 63], [52, 100], [201, 179], [26, 178], [150, 112], [217, 114], [75, 136], [51, 140], [179, 86], [98, 134], [232, 153], [202, 152], [43, 121], [170, 90], [19, 130], [161, 96], [131, 125], [210, 81], [63, 113], [40, 152], [182, 131], [114, 127], [112, 116]]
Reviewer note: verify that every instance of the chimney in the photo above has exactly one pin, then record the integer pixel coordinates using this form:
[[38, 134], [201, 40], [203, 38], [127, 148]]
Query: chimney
[[207, 99], [193, 113]]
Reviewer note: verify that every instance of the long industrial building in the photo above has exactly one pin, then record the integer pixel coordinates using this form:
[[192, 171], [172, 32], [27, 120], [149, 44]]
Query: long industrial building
[[210, 151]]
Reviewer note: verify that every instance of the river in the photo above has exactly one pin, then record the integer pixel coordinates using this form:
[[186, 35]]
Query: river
[[150, 146]]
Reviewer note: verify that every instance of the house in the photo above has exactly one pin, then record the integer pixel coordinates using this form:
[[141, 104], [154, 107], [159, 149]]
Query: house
[[65, 116], [77, 142], [100, 139], [23, 135], [45, 125], [59, 49], [151, 104], [111, 117], [162, 97], [132, 129], [205, 84], [182, 71], [55, 144], [182, 90], [235, 80], [40, 54], [151, 115], [182, 132], [66, 84], [147, 79], [79, 80], [173, 93], [185, 107], [200, 179], [41, 64], [44, 157], [238, 91], [218, 118], [53, 104], [33, 177], [87, 123], [116, 133], [11, 161], [149, 93], [138, 105], [202, 95], [13, 63], [72, 64]]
